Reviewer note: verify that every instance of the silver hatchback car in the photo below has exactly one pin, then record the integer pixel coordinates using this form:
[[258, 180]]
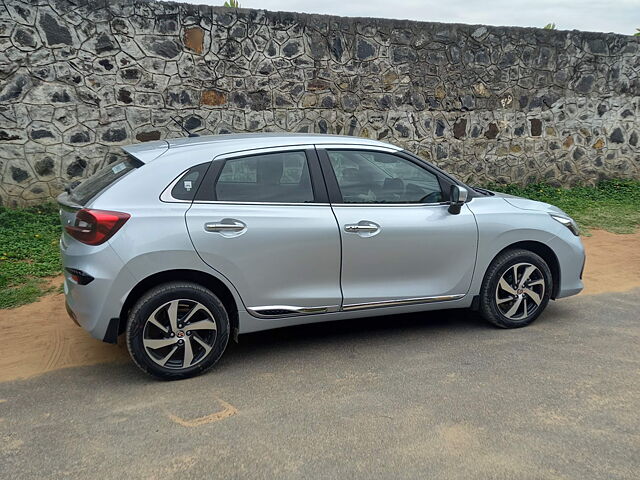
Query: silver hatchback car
[[188, 241]]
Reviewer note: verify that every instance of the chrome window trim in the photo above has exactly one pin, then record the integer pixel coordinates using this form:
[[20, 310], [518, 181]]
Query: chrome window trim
[[438, 204], [405, 301], [258, 151], [352, 146], [280, 204]]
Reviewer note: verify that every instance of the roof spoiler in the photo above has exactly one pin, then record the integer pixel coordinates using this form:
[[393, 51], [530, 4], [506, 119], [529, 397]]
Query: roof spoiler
[[147, 151]]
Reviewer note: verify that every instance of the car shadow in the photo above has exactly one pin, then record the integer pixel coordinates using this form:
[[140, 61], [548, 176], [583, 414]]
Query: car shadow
[[342, 333], [324, 338]]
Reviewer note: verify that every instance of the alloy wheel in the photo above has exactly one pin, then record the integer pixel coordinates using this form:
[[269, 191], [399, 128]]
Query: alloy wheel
[[179, 334], [520, 291]]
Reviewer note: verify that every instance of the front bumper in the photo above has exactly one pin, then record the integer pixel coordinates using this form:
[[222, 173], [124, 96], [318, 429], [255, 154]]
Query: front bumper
[[571, 258]]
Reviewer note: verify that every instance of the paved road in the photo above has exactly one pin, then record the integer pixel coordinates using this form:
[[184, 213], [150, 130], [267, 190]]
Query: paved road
[[419, 396]]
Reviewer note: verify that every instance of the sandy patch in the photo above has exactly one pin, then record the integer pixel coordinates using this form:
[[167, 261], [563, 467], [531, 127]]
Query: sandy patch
[[613, 262], [40, 337]]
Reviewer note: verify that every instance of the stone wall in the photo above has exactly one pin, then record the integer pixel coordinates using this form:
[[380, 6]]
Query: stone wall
[[78, 78]]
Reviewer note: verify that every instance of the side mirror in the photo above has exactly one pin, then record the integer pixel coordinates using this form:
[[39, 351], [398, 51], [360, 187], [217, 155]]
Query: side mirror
[[457, 198]]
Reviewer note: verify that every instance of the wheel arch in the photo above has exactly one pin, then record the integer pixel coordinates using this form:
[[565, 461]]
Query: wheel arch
[[207, 280], [547, 254]]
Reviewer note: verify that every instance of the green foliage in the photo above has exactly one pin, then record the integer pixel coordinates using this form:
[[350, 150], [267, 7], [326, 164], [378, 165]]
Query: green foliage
[[637, 34], [550, 26], [232, 4], [28, 252], [612, 205]]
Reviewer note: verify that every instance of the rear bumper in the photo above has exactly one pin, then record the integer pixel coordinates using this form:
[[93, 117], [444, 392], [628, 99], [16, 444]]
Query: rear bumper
[[70, 313], [95, 305]]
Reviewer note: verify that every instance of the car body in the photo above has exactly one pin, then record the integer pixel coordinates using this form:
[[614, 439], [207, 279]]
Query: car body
[[286, 229]]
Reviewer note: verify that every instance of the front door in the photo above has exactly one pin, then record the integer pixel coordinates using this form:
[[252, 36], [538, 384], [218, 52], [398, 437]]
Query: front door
[[268, 228], [399, 242]]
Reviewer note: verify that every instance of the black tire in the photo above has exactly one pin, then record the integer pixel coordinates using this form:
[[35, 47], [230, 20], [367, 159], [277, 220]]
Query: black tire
[[156, 298], [500, 266]]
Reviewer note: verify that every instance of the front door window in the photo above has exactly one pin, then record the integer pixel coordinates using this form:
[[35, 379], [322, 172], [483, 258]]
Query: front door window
[[378, 177]]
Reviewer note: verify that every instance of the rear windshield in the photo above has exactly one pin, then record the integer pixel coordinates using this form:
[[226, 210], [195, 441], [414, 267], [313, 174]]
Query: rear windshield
[[102, 179]]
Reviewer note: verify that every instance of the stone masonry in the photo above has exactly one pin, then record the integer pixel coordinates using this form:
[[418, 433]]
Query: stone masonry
[[79, 78]]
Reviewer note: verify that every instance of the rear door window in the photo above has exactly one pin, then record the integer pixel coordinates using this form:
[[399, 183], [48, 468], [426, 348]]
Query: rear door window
[[273, 177], [103, 178]]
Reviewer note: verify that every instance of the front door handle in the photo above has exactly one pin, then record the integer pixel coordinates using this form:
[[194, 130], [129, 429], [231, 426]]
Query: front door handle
[[222, 226], [362, 227]]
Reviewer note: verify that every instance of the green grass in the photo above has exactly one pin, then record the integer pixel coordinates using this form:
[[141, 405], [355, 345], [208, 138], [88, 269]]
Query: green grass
[[29, 236], [612, 205], [28, 253]]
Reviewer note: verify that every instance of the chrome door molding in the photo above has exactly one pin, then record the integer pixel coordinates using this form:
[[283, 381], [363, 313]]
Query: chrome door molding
[[401, 302], [279, 311]]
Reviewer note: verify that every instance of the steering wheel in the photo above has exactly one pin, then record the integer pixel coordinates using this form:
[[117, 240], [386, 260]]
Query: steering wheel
[[433, 197]]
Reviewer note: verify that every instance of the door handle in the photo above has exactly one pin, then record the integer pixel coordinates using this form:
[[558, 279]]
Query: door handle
[[361, 227], [234, 226]]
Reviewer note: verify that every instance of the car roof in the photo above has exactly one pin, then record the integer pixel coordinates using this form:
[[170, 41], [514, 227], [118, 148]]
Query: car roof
[[221, 144]]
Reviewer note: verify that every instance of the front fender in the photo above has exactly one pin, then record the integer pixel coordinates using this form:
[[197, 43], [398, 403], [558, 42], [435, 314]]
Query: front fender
[[500, 225]]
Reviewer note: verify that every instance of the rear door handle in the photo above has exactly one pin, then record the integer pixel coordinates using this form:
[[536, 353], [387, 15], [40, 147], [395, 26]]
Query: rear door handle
[[362, 227], [224, 226]]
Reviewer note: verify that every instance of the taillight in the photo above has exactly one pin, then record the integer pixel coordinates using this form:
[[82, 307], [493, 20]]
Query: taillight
[[94, 227]]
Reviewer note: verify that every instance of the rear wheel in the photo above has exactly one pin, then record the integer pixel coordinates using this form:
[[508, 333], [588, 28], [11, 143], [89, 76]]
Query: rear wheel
[[177, 330], [516, 289]]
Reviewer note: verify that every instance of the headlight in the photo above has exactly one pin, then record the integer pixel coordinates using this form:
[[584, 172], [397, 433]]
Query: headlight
[[567, 222]]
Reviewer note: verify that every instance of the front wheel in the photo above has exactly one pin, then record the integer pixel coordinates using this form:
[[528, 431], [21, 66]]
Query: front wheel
[[177, 330], [516, 289]]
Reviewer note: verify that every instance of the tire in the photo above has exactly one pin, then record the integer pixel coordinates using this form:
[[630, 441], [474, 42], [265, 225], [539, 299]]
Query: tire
[[505, 300], [180, 317]]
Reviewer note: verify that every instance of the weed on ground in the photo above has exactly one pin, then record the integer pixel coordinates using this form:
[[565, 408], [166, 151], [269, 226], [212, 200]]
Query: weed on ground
[[28, 253]]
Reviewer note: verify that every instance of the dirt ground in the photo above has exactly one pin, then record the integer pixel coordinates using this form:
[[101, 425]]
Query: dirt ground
[[41, 337]]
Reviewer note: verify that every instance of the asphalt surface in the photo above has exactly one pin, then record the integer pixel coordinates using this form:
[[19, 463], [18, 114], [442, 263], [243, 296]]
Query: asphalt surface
[[439, 395]]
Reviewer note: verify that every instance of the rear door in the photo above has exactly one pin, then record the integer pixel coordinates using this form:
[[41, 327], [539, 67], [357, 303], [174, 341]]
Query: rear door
[[399, 242], [262, 219]]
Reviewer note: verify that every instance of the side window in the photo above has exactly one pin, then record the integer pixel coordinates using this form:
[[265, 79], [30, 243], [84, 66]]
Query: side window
[[273, 177], [186, 187], [376, 177]]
